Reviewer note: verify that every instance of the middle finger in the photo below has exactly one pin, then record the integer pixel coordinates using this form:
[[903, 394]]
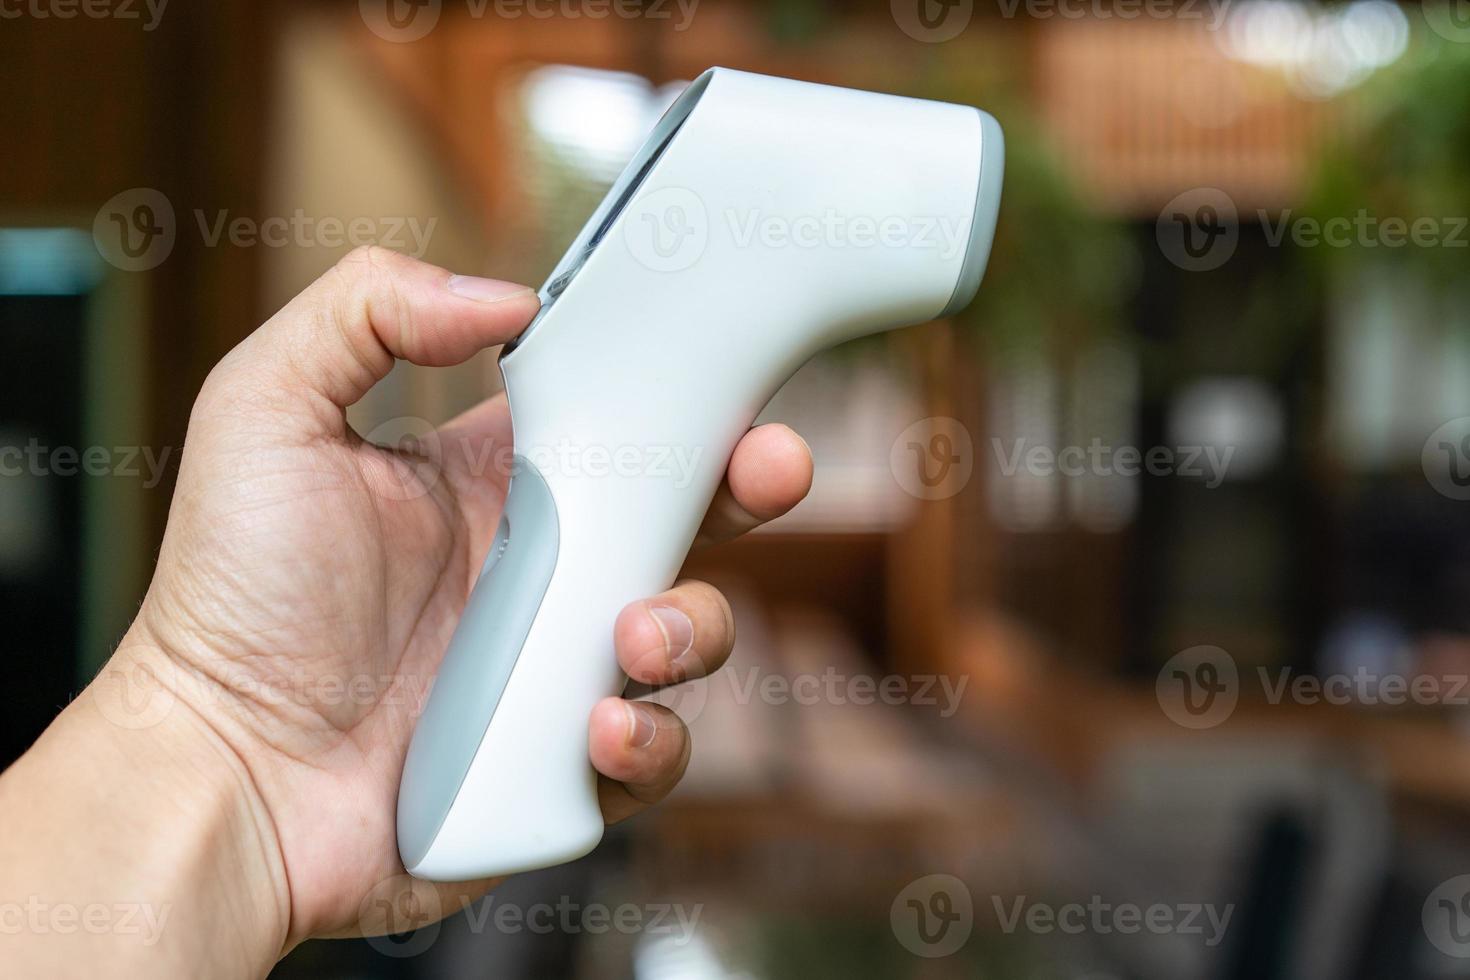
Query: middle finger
[[681, 634]]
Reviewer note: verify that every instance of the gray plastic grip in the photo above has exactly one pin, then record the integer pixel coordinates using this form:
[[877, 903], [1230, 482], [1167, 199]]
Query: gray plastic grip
[[480, 659], [982, 224]]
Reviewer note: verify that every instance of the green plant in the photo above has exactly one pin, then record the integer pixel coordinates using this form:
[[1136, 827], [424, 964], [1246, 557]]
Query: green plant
[[1060, 271], [1406, 159]]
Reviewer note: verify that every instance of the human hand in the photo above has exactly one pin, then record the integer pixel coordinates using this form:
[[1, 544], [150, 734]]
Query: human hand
[[309, 582]]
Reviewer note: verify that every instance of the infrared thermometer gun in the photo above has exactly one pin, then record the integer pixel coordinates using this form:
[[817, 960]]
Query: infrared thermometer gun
[[763, 220]]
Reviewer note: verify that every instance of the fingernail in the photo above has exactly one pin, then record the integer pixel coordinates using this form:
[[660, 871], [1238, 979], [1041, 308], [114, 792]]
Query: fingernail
[[642, 729], [485, 290], [678, 631]]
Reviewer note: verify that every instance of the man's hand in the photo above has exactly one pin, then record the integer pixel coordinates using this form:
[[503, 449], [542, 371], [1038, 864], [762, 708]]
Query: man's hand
[[309, 582]]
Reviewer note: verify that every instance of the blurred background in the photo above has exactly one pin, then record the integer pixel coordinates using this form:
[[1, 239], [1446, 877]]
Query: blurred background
[[1125, 632]]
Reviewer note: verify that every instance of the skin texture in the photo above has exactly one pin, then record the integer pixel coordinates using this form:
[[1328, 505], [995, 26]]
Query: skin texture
[[234, 769]]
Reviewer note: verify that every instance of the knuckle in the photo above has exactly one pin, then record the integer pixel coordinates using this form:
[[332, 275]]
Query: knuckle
[[369, 301], [371, 273], [368, 259]]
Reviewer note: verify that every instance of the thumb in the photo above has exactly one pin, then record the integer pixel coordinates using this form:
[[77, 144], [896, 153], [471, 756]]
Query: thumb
[[341, 335]]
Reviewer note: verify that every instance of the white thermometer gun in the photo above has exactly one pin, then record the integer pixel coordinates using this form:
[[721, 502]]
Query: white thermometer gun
[[763, 220]]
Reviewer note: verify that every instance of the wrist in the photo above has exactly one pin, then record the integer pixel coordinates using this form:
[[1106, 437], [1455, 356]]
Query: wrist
[[152, 816]]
